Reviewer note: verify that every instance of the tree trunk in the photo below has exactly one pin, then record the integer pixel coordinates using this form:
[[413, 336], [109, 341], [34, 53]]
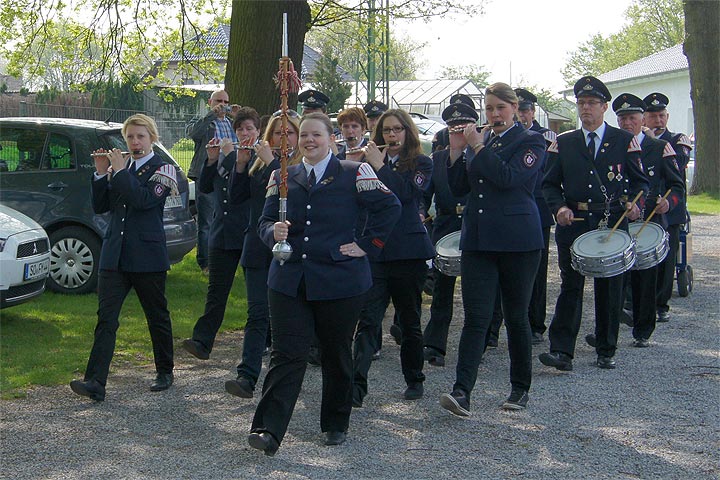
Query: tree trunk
[[256, 31], [702, 49]]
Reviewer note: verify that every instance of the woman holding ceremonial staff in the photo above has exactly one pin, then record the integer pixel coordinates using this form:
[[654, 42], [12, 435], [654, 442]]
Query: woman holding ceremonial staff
[[319, 288], [500, 242]]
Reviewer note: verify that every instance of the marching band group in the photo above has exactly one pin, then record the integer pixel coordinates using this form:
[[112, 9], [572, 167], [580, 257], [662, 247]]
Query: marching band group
[[357, 230]]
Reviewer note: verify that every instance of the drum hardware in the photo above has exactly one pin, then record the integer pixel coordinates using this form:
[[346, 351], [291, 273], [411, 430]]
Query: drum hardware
[[447, 258], [652, 244], [625, 212], [593, 254]]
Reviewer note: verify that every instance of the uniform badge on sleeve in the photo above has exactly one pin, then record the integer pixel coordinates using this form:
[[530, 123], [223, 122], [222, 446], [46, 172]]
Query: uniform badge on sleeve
[[159, 190], [420, 179], [529, 159]]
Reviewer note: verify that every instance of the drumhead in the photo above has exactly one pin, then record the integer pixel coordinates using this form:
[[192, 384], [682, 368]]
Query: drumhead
[[449, 245], [651, 236], [592, 245]]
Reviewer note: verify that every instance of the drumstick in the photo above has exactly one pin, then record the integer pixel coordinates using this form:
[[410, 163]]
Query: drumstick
[[652, 213], [617, 224]]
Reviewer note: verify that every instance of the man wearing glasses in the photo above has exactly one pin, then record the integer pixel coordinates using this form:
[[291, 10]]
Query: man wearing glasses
[[592, 175]]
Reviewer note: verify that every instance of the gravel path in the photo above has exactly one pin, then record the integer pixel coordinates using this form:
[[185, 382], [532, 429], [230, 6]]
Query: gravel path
[[656, 416]]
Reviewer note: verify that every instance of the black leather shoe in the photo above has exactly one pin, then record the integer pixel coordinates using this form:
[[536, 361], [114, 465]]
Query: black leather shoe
[[591, 340], [335, 438], [558, 360], [641, 342], [264, 441], [605, 362], [517, 400], [162, 382], [91, 388], [396, 333], [434, 357], [663, 317], [492, 343], [196, 349], [414, 391], [537, 338], [375, 356], [457, 403], [242, 387]]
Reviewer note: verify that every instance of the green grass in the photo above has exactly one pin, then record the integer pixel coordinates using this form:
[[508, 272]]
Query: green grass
[[182, 152], [47, 341], [703, 204]]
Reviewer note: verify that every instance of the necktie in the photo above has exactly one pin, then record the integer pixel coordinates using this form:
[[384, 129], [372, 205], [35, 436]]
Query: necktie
[[591, 144], [131, 169], [311, 178]]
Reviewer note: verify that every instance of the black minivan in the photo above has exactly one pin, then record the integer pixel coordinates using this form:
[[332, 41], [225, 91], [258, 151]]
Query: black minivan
[[45, 173]]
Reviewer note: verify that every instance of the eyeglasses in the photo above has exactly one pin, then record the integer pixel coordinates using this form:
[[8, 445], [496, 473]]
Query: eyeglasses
[[592, 103], [393, 129]]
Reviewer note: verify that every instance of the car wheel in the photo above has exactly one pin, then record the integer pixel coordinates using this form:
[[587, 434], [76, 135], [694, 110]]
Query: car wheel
[[74, 259]]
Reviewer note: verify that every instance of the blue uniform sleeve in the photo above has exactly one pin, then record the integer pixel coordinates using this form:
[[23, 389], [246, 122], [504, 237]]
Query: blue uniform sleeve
[[141, 196], [408, 186], [100, 194], [383, 210], [526, 162], [270, 214]]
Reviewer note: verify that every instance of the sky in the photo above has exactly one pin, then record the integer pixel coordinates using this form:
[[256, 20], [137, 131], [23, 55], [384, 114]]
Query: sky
[[516, 40]]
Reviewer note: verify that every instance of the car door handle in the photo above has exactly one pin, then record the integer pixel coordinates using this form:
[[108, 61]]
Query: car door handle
[[57, 185]]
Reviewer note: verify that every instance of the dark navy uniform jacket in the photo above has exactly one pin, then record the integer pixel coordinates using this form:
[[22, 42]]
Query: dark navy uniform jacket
[[322, 218], [230, 219], [448, 207], [244, 188], [409, 239], [658, 159], [342, 149], [570, 179], [682, 146], [135, 238], [546, 218], [501, 214]]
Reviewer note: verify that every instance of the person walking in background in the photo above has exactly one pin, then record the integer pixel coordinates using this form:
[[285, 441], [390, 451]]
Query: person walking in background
[[500, 242], [249, 184], [399, 272], [448, 219], [134, 253], [227, 230], [320, 288], [215, 124]]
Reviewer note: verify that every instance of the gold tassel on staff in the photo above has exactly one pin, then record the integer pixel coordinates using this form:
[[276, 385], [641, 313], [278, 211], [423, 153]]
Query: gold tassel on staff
[[287, 81]]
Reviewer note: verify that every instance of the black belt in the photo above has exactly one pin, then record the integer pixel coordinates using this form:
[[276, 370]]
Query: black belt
[[598, 206], [441, 211]]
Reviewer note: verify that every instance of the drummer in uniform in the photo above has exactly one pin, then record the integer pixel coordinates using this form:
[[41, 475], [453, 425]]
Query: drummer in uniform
[[448, 219], [592, 176], [658, 159], [656, 118]]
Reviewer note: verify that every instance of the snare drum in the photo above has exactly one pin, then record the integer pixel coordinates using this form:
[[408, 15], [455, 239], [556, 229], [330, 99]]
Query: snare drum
[[592, 256], [653, 244], [447, 260]]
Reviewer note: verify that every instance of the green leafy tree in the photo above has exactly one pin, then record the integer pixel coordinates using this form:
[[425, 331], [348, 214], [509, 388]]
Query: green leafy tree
[[328, 80], [476, 73], [653, 25]]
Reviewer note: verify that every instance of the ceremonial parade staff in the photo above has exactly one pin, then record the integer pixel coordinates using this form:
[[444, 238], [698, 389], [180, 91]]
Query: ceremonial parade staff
[[447, 219], [227, 230], [320, 288], [591, 176], [658, 159], [399, 272], [500, 242], [249, 183], [538, 301], [134, 253], [656, 118]]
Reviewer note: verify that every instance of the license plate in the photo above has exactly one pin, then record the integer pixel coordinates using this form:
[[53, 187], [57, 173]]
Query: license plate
[[37, 269], [173, 201]]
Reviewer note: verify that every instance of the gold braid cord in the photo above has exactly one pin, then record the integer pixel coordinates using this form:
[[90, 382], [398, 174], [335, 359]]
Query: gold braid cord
[[288, 82]]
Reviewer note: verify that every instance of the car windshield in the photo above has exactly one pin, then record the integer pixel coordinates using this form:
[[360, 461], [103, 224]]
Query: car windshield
[[428, 127]]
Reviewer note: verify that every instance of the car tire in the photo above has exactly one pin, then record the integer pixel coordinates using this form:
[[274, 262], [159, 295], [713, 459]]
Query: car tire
[[74, 260]]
